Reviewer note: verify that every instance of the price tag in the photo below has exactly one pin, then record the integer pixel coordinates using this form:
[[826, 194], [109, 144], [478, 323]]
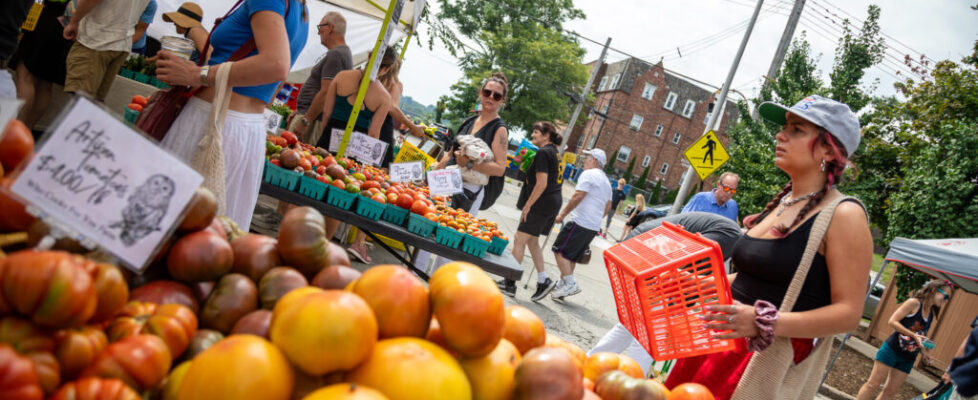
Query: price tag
[[8, 110], [98, 177], [336, 135], [272, 121], [445, 182], [366, 149], [407, 171]]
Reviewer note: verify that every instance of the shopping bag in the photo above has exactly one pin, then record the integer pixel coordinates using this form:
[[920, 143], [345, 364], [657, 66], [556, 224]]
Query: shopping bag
[[940, 392]]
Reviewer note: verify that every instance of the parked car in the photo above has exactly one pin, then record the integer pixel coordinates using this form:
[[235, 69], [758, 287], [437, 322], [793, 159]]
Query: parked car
[[869, 308]]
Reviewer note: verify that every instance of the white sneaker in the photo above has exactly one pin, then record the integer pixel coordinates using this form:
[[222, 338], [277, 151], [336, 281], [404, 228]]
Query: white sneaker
[[566, 290]]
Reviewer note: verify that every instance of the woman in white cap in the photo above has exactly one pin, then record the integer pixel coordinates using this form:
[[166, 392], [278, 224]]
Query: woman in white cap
[[813, 148], [187, 19]]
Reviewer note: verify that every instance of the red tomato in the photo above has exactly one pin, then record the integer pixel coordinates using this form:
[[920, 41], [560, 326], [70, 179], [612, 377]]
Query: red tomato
[[379, 198], [306, 165], [95, 389], [690, 391], [16, 144], [135, 107], [290, 138], [18, 376], [405, 201], [420, 207], [276, 162], [320, 170], [141, 361], [391, 197], [338, 183], [137, 99]]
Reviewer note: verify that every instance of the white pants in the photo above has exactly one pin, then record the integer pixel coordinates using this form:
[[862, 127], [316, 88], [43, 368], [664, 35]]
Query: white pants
[[423, 258], [620, 340], [243, 141], [8, 90]]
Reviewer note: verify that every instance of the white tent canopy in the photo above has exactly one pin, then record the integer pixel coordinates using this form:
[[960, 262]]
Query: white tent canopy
[[955, 260], [361, 27]]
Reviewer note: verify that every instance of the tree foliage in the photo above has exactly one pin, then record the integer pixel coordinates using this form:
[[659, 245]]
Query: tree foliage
[[856, 53], [609, 167], [628, 171], [656, 194], [525, 42], [640, 182]]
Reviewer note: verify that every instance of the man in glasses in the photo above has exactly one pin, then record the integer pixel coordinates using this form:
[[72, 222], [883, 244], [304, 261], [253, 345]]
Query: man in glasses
[[305, 122], [719, 200]]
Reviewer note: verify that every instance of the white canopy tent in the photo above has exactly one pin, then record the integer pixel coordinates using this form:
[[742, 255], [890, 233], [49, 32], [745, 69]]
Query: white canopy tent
[[362, 26]]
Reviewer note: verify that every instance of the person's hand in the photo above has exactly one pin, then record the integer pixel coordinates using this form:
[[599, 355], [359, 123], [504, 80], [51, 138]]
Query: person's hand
[[460, 158], [946, 377], [559, 219], [288, 120], [526, 211], [919, 339], [738, 318], [925, 356], [71, 30], [417, 130], [176, 71], [299, 129]]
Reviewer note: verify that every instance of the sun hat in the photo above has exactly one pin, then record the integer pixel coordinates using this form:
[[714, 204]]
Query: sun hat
[[829, 114], [598, 155], [188, 15]]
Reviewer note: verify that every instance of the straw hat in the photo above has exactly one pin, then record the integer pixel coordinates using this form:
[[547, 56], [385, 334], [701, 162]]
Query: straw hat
[[187, 16]]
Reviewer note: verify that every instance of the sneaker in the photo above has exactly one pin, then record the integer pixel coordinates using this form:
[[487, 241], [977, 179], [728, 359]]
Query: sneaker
[[507, 286], [566, 290], [543, 289]]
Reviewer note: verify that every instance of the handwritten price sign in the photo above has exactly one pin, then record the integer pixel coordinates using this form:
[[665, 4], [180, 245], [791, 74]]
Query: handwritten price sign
[[445, 182], [410, 171], [111, 185], [361, 147]]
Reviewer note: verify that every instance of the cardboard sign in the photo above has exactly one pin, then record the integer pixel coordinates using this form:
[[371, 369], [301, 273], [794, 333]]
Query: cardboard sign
[[366, 149], [272, 120], [8, 110], [107, 183], [445, 182], [391, 24], [410, 152], [410, 171]]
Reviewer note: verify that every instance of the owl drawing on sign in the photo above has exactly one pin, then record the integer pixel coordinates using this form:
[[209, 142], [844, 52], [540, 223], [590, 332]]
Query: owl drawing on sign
[[145, 210]]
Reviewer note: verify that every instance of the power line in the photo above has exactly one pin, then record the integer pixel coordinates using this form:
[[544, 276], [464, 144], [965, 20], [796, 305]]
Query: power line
[[818, 31], [839, 29], [881, 31]]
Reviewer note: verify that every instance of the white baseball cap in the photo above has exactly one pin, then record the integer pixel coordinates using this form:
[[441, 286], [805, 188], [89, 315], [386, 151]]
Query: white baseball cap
[[598, 155], [829, 114]]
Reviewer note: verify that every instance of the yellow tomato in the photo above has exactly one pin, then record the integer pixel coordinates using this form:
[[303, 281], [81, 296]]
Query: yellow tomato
[[240, 367]]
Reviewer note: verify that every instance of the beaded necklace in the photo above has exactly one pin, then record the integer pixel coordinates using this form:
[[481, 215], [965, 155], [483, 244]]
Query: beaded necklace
[[785, 203]]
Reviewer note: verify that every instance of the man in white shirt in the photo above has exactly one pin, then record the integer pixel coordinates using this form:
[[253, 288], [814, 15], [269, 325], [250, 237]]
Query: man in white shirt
[[104, 31], [589, 204]]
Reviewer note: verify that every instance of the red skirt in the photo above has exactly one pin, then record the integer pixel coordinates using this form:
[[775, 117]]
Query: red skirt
[[721, 372]]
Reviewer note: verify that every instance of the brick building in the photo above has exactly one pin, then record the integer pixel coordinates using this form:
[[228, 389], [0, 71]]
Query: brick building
[[653, 116]]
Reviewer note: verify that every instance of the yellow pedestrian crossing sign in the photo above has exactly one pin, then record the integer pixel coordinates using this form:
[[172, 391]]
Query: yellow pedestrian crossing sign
[[706, 155]]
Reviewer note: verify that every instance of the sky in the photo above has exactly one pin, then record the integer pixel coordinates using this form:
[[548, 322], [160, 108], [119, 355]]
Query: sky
[[709, 32]]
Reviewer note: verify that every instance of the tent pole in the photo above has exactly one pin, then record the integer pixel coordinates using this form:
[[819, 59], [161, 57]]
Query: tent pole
[[365, 81], [406, 41], [849, 334]]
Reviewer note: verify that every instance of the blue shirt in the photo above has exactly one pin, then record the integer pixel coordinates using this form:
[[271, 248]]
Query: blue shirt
[[707, 202], [236, 30], [146, 18]]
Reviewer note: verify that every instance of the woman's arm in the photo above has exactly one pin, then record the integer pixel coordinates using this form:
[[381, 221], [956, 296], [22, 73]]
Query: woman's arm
[[908, 307], [496, 167], [328, 103], [379, 115], [538, 189], [199, 36], [848, 256]]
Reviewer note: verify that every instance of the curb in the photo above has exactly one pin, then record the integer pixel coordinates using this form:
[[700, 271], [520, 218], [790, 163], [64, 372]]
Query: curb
[[834, 393]]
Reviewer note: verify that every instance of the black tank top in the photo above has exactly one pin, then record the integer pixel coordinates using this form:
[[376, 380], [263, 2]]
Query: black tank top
[[904, 345], [765, 268]]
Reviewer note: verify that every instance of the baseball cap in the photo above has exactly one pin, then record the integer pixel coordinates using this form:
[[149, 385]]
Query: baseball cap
[[829, 114], [598, 155], [188, 15]]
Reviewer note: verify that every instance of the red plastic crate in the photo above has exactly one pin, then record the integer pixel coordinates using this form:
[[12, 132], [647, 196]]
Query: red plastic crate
[[661, 280]]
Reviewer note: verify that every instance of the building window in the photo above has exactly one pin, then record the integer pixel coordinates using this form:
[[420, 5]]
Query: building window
[[658, 131], [706, 119], [580, 141], [604, 109], [670, 101], [664, 169], [623, 153], [648, 91], [675, 139], [689, 108], [614, 82], [604, 81], [636, 123], [646, 161]]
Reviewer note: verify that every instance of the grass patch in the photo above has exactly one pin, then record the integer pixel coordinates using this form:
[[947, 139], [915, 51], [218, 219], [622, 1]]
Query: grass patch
[[877, 263]]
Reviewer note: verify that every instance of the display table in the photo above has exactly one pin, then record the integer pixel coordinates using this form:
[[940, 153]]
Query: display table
[[504, 265]]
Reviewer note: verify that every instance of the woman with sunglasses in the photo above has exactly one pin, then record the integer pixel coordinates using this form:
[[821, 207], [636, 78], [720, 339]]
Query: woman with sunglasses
[[491, 129], [813, 147], [910, 323]]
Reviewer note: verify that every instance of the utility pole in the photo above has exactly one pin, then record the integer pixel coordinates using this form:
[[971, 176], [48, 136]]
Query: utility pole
[[587, 88], [690, 172], [789, 32]]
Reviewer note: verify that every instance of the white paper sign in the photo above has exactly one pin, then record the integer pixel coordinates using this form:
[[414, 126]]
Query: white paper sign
[[366, 149], [113, 186], [8, 110], [361, 147], [445, 182], [392, 23], [272, 120], [407, 171]]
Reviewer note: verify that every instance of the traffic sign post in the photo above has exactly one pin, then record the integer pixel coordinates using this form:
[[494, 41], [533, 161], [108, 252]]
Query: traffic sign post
[[706, 155]]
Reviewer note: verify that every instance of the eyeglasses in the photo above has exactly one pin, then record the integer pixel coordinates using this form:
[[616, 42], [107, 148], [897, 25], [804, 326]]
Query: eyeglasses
[[494, 95], [946, 296], [728, 189], [320, 26]]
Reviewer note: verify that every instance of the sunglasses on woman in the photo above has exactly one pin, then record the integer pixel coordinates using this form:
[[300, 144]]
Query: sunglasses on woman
[[491, 94], [946, 296]]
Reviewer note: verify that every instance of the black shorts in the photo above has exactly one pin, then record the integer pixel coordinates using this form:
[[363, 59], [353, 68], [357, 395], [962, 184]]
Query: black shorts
[[540, 219], [572, 241]]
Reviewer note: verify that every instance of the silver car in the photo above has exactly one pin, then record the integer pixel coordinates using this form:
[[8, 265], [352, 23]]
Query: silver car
[[869, 309]]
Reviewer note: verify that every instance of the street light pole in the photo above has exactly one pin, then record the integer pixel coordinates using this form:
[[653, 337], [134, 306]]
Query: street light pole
[[691, 172]]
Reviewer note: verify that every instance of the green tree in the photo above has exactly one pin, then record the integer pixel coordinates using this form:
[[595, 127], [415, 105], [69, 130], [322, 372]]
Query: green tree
[[628, 171], [640, 182], [609, 167], [440, 107], [857, 52], [671, 196], [523, 40], [656, 194]]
